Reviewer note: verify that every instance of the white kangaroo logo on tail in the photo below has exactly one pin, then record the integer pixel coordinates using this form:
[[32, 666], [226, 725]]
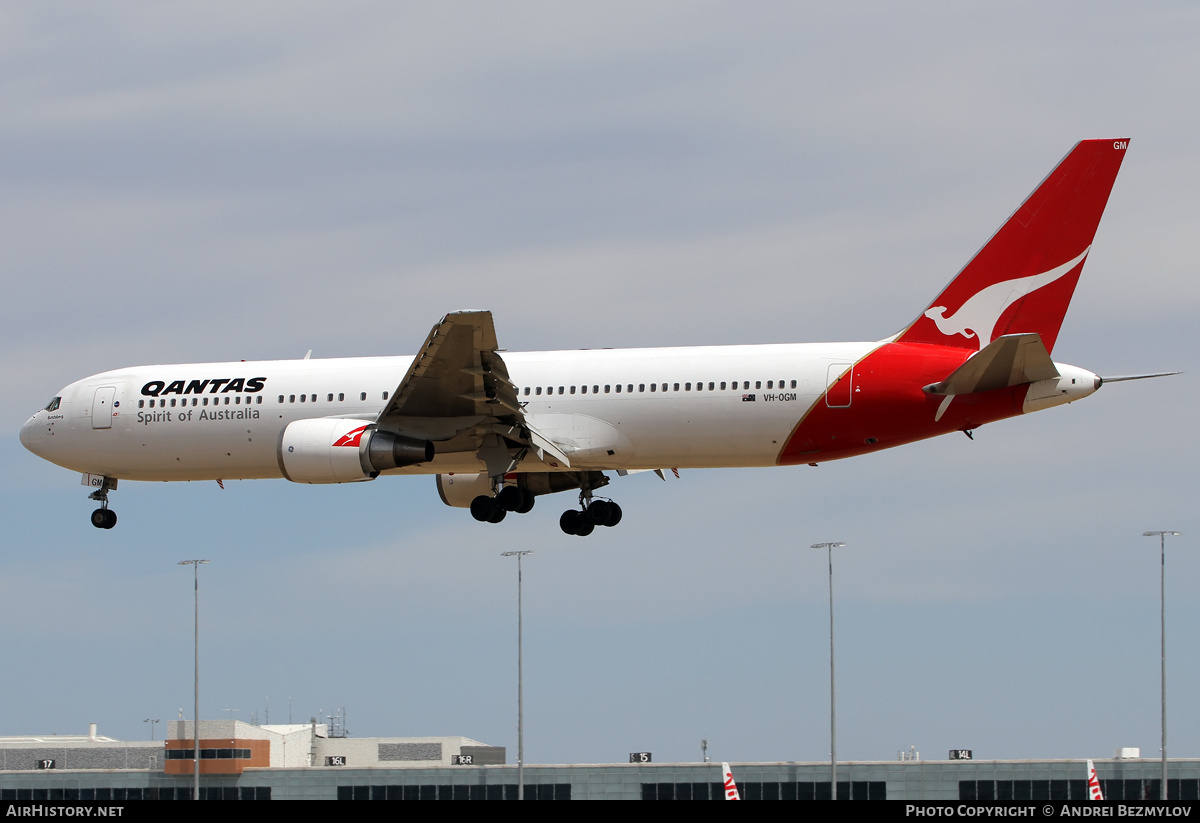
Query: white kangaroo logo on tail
[[978, 316]]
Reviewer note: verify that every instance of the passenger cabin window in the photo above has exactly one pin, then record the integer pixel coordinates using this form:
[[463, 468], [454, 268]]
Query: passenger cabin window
[[341, 396], [618, 388], [281, 398], [608, 386], [539, 391], [385, 394], [362, 396], [758, 384], [641, 386], [595, 389], [291, 398], [629, 388], [141, 405], [722, 385]]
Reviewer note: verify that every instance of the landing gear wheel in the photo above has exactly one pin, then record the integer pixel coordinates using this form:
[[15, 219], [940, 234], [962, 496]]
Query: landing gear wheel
[[600, 512], [498, 512], [614, 516], [527, 501], [585, 526], [510, 498], [481, 508], [104, 518], [569, 522]]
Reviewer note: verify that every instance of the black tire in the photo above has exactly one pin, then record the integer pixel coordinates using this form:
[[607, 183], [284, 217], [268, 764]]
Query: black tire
[[527, 501], [498, 513], [481, 508], [615, 515], [569, 521], [600, 512], [585, 526], [111, 519], [510, 498], [100, 519]]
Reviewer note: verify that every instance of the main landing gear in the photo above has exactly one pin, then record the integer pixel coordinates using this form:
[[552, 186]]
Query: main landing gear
[[596, 513], [510, 499], [104, 517], [519, 497]]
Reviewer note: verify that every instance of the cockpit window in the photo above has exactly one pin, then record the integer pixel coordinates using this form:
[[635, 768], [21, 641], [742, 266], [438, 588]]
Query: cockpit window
[[53, 404]]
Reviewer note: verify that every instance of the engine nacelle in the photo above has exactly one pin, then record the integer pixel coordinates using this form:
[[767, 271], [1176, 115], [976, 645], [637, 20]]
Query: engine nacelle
[[340, 450], [459, 490]]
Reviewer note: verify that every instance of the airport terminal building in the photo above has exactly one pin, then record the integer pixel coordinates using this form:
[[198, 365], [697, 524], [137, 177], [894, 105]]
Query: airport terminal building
[[241, 761]]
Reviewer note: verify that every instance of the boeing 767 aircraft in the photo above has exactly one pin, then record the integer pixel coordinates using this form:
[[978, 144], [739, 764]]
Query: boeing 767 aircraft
[[500, 428]]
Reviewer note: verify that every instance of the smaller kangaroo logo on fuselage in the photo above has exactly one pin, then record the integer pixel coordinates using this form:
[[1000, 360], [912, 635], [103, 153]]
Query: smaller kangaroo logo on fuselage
[[977, 317]]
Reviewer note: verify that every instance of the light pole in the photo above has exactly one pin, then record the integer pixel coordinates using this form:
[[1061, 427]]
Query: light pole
[[151, 721], [196, 564], [1162, 619], [520, 680], [829, 547]]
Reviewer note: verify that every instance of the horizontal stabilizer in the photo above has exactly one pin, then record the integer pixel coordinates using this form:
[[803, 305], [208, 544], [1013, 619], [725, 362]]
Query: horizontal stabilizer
[[1011, 360]]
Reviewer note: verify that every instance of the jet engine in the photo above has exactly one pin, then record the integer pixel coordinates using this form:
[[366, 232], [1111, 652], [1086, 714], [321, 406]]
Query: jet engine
[[340, 450]]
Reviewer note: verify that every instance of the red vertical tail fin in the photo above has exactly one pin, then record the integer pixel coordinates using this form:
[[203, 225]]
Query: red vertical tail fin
[[1023, 278]]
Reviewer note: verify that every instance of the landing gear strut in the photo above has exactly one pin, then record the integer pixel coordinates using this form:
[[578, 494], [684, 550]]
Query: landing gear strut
[[104, 517]]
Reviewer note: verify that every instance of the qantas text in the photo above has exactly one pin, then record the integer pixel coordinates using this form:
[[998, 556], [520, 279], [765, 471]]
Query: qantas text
[[155, 388]]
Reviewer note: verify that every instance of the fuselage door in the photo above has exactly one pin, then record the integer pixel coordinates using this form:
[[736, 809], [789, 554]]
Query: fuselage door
[[102, 407], [841, 385]]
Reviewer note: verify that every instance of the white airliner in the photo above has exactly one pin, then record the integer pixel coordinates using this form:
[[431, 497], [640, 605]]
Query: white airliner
[[499, 428]]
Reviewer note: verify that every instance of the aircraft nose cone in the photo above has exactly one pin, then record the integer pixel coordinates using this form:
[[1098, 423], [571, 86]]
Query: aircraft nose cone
[[29, 438]]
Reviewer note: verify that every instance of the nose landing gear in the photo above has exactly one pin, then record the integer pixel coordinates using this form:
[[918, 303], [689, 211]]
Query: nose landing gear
[[104, 517]]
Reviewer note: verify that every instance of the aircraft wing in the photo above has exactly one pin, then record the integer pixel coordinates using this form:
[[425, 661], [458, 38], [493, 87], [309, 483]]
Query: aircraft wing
[[457, 392], [1011, 360], [457, 373]]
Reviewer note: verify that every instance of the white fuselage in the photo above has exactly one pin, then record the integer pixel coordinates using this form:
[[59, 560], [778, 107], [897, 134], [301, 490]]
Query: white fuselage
[[608, 409]]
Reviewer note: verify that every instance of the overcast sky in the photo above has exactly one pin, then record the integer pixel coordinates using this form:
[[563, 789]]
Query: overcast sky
[[211, 181]]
